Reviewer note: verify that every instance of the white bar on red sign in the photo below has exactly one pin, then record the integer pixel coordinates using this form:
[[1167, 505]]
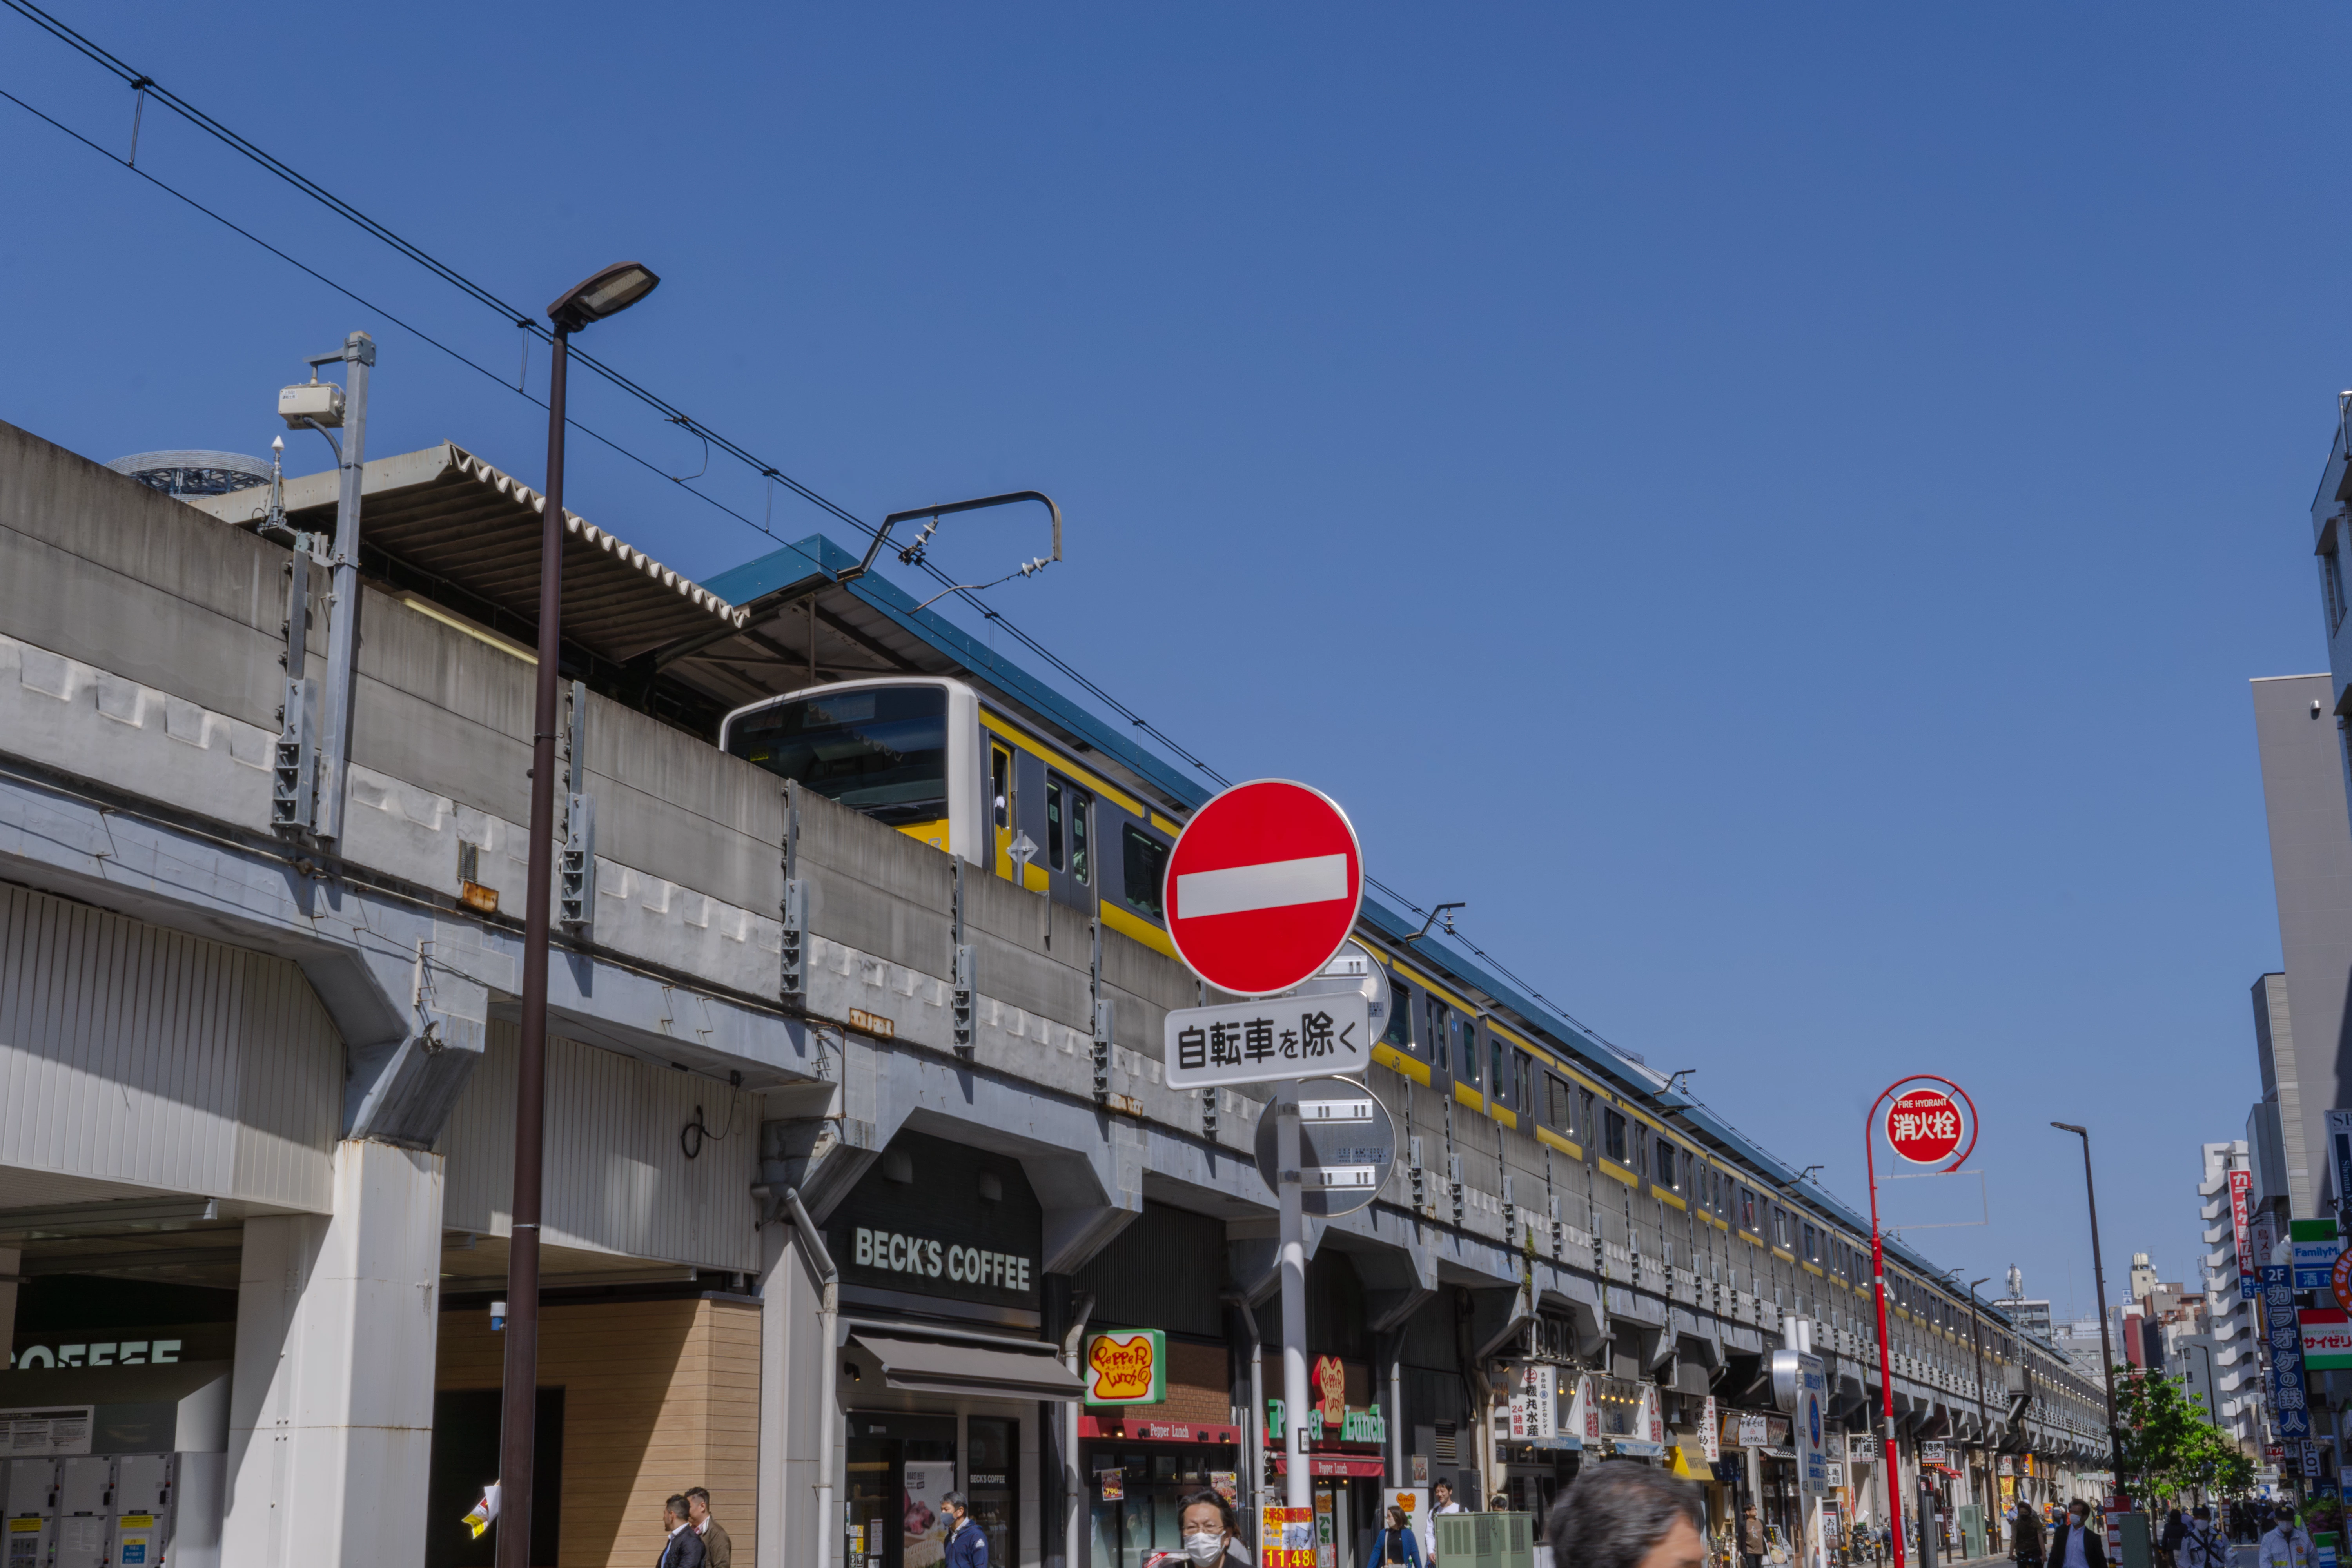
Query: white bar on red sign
[[1271, 1040]]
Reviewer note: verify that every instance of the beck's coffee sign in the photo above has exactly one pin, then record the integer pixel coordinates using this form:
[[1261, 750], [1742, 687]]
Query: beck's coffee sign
[[940, 1220]]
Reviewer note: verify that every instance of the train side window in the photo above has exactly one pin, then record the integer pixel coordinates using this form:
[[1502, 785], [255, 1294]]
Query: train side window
[[1144, 860], [1502, 1080], [1614, 1135], [1054, 793], [1468, 1028], [1555, 1104], [1082, 825], [1441, 1032], [1747, 1212], [1584, 1115], [1522, 1069], [1666, 1166], [999, 763]]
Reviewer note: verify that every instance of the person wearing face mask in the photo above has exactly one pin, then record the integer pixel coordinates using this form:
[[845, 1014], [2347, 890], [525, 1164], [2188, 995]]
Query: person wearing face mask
[[2287, 1546], [1212, 1535], [2076, 1542], [967, 1543]]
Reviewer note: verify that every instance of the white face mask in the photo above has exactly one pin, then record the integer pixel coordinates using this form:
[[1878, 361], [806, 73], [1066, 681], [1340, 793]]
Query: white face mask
[[1205, 1548]]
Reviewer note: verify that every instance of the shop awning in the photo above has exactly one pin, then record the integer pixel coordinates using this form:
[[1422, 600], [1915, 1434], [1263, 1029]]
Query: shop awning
[[1349, 1466], [981, 1372]]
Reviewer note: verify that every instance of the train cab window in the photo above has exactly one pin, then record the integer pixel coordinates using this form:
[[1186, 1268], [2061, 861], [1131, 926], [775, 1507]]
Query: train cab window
[[882, 751], [1143, 859], [1613, 1142], [1399, 1032]]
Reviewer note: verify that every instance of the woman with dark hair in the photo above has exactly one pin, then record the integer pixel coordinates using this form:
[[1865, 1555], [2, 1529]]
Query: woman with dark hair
[[1396, 1543], [1623, 1514], [1211, 1533]]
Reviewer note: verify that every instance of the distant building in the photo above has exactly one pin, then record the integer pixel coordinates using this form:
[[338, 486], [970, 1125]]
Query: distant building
[[2215, 1356], [2030, 1315]]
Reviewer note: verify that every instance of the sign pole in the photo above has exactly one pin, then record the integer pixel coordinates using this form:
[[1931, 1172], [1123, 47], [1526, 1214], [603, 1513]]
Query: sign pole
[[1945, 1140], [1300, 1490]]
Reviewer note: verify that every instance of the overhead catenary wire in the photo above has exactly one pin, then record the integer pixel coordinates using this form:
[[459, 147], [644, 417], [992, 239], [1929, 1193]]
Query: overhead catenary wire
[[146, 86]]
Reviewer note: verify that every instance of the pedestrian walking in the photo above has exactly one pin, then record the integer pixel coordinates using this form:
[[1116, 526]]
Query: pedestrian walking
[[2201, 1545], [2284, 1545], [1397, 1546], [2168, 1543], [967, 1543], [2027, 1536], [1441, 1499], [1623, 1514], [718, 1551], [1212, 1535], [681, 1548], [2075, 1543], [1752, 1538]]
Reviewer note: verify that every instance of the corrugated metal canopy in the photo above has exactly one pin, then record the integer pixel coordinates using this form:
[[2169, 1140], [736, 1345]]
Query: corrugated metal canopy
[[445, 515]]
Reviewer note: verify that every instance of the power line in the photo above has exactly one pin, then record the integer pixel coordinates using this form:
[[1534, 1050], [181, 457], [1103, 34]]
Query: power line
[[148, 87]]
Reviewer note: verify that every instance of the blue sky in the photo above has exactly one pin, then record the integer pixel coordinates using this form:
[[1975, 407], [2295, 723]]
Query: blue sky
[[1776, 507]]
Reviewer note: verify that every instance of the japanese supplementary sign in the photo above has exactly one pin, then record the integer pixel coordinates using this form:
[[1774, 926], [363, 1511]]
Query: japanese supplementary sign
[[1130, 1367], [1346, 1145], [1924, 1126], [1265, 1042], [1753, 1429], [2339, 1281], [2327, 1339], [1809, 1423], [2284, 1331], [1710, 1431], [1285, 1537], [1263, 886], [2242, 1203], [1535, 1403], [2339, 1145]]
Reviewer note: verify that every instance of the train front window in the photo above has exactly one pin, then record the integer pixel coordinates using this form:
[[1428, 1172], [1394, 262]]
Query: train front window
[[1145, 866], [882, 751]]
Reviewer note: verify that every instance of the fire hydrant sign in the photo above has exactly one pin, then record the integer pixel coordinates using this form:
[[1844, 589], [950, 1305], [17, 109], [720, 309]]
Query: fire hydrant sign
[[1266, 1042], [1924, 1126], [1263, 886]]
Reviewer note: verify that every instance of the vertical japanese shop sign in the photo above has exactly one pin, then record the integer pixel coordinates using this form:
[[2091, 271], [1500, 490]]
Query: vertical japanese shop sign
[[2284, 1329], [2242, 1203]]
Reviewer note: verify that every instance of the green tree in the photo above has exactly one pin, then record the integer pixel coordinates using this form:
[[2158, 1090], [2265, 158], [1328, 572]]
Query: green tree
[[2169, 1444]]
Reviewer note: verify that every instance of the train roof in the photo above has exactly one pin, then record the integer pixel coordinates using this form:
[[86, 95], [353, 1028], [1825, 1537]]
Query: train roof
[[796, 605]]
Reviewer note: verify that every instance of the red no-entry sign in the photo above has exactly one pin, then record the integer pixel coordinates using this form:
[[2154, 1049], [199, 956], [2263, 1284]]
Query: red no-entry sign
[[1263, 886]]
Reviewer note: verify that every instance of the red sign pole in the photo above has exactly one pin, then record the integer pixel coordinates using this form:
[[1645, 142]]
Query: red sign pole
[[1878, 1284]]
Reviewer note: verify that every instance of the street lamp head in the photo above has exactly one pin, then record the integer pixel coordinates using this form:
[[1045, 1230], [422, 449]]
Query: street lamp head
[[2070, 1127], [606, 293]]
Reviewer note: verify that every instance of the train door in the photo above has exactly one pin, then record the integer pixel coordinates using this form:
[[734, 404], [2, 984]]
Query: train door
[[1003, 812], [1069, 841]]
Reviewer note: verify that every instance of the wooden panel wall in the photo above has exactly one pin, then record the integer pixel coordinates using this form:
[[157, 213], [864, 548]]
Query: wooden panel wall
[[657, 1396]]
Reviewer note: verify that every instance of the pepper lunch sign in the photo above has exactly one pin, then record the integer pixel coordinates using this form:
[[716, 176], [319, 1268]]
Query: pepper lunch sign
[[1127, 1368]]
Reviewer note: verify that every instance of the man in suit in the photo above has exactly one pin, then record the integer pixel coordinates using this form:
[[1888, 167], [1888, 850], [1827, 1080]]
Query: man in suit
[[2079, 1540], [681, 1548], [717, 1551]]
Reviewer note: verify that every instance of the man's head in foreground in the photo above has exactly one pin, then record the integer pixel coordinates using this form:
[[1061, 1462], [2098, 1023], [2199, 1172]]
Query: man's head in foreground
[[1623, 1514]]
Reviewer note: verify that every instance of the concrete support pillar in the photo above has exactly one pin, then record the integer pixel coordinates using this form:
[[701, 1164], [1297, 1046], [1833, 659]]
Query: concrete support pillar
[[9, 1258], [800, 1431], [331, 1410]]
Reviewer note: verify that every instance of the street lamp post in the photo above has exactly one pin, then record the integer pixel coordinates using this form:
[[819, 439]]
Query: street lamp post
[[2099, 1284], [609, 292]]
